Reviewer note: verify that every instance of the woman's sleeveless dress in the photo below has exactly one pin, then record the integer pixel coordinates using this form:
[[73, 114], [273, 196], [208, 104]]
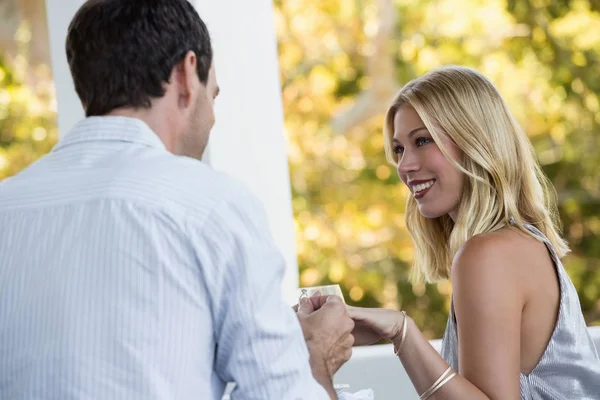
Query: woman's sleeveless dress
[[569, 368]]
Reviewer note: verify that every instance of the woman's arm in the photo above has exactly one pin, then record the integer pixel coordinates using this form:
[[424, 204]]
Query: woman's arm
[[422, 362], [488, 304], [424, 366], [489, 297]]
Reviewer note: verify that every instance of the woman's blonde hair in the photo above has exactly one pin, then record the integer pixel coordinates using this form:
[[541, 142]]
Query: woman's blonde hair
[[503, 180]]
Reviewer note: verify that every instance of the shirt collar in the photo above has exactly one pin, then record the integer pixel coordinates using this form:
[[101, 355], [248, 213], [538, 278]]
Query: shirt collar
[[111, 128]]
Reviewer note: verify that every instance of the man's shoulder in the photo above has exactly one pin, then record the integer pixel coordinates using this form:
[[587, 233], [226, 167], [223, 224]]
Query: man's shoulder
[[184, 182], [160, 181]]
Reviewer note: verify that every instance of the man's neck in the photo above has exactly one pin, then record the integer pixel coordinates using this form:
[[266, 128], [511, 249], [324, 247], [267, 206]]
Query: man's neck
[[155, 121]]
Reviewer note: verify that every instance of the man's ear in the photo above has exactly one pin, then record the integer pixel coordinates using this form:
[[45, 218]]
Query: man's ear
[[185, 79]]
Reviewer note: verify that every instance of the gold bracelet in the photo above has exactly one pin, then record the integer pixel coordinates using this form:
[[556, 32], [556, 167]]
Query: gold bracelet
[[442, 383], [441, 378], [403, 331], [437, 385]]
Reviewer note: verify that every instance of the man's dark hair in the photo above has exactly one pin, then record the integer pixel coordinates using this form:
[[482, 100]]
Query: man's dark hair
[[122, 52]]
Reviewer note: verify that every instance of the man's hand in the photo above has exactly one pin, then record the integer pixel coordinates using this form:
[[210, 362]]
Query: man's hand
[[327, 330]]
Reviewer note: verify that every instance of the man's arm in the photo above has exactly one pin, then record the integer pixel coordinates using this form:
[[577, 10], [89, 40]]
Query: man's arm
[[260, 345]]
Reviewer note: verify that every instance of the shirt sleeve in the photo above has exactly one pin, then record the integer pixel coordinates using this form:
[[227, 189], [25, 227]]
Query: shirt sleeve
[[260, 345]]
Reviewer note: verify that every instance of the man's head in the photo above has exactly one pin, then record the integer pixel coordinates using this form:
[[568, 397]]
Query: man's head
[[151, 60]]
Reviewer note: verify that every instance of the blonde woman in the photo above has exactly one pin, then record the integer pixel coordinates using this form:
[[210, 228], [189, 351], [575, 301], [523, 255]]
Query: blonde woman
[[481, 213]]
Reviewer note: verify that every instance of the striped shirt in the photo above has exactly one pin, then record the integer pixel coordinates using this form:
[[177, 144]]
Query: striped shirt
[[127, 272]]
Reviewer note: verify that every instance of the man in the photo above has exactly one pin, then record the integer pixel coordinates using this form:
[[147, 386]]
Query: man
[[128, 268]]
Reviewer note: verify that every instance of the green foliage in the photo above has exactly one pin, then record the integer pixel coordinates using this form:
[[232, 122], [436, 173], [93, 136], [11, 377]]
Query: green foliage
[[27, 118], [349, 204]]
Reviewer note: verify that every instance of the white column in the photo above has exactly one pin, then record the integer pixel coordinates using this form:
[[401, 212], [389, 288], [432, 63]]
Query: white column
[[248, 139], [60, 13]]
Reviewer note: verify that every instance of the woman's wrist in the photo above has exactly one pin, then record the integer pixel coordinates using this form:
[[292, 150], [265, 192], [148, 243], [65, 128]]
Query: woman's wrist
[[400, 338]]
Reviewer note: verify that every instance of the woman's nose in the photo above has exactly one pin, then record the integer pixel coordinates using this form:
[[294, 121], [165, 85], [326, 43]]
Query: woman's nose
[[408, 163]]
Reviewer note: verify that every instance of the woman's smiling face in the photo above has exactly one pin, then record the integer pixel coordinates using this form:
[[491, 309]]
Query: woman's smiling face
[[433, 180]]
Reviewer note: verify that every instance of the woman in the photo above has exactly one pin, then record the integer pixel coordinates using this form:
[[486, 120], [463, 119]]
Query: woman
[[480, 213]]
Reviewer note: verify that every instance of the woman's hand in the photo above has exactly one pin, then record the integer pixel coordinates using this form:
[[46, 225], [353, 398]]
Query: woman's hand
[[373, 324]]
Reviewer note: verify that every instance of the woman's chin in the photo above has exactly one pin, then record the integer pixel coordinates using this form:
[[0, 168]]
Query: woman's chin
[[431, 212]]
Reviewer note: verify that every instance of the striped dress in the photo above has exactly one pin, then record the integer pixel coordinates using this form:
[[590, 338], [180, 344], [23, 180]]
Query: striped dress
[[570, 366]]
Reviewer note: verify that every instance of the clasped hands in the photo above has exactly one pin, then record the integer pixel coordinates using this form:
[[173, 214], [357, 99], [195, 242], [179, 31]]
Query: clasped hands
[[332, 328]]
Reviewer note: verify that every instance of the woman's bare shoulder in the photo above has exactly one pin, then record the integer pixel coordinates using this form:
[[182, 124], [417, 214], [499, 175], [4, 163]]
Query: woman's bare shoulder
[[496, 258]]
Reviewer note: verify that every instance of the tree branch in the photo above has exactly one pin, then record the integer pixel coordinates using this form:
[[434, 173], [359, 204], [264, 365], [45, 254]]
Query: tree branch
[[380, 71]]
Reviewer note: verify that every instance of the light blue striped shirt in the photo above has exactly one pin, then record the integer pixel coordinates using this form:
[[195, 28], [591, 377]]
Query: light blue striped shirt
[[129, 273]]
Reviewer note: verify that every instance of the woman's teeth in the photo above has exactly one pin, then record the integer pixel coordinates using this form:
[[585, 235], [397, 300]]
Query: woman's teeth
[[422, 186]]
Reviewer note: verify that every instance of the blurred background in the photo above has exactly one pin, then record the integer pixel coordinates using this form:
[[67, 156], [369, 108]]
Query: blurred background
[[341, 62]]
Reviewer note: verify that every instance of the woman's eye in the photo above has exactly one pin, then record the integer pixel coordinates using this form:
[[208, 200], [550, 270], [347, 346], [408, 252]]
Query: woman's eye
[[398, 149], [423, 140]]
